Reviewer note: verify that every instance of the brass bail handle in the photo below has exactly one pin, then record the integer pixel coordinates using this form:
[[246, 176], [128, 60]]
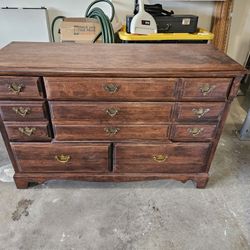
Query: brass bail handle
[[111, 88], [27, 131], [195, 131], [63, 158], [200, 112], [206, 89], [160, 158], [112, 112], [22, 111], [111, 131], [16, 88]]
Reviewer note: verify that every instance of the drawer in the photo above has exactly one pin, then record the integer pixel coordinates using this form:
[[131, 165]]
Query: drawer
[[20, 88], [110, 133], [115, 113], [206, 88], [161, 158], [23, 111], [28, 131], [199, 111], [56, 157], [127, 89], [193, 132]]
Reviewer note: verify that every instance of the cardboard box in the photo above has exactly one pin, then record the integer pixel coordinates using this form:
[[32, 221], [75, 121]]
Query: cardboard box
[[79, 30]]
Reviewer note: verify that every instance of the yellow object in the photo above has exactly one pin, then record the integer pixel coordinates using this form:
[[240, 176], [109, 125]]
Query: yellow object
[[201, 34]]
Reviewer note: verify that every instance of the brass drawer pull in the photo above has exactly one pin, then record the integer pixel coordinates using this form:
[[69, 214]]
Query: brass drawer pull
[[112, 112], [160, 158], [200, 112], [22, 111], [206, 89], [111, 131], [16, 88], [111, 88], [195, 131], [27, 131], [63, 158]]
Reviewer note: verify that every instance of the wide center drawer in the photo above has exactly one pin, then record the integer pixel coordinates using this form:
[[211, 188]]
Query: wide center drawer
[[120, 89], [161, 158], [57, 157], [104, 112]]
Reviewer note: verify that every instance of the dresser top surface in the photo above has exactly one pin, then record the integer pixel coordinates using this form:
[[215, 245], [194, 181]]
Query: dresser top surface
[[114, 59]]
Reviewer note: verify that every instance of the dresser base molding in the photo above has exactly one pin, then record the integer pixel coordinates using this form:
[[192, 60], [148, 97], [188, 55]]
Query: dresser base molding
[[22, 180]]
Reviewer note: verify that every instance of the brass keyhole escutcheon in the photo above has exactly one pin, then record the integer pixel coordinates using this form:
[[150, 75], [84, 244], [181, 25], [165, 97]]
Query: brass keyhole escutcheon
[[195, 131], [111, 131], [22, 111], [206, 89], [16, 88], [111, 88], [160, 158], [200, 112], [112, 112], [27, 131], [63, 158]]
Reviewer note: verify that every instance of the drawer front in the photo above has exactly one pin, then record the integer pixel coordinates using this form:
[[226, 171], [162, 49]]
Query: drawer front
[[199, 111], [206, 88], [127, 89], [193, 132], [20, 88], [115, 113], [23, 111], [28, 131], [56, 157], [161, 158], [110, 133]]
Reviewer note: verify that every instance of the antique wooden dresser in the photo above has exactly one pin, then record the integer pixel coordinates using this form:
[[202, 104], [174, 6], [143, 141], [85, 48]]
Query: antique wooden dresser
[[114, 112]]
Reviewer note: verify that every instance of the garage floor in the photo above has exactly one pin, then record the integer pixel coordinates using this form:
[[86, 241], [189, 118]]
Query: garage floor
[[140, 215]]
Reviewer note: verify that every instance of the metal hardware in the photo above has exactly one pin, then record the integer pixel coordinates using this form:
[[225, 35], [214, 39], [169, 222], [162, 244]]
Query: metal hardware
[[63, 158], [112, 112], [195, 131], [160, 158], [111, 88], [16, 88], [206, 89], [27, 131], [22, 111], [111, 131], [200, 112]]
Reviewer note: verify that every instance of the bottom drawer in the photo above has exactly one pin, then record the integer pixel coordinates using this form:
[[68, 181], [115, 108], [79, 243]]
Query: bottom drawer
[[161, 158], [57, 157]]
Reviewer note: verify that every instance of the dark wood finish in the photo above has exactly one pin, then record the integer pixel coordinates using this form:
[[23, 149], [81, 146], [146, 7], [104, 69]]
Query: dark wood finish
[[110, 133], [125, 89], [28, 131], [34, 157], [199, 111], [173, 158], [209, 89], [23, 111], [112, 112], [28, 87], [118, 112], [193, 132]]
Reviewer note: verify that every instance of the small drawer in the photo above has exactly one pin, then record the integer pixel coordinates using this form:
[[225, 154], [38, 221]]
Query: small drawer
[[20, 88], [23, 111], [28, 131], [110, 133], [199, 111], [206, 88], [56, 157], [161, 158], [115, 113], [120, 89], [194, 132]]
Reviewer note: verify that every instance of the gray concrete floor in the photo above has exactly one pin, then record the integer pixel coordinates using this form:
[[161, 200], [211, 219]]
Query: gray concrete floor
[[140, 215]]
